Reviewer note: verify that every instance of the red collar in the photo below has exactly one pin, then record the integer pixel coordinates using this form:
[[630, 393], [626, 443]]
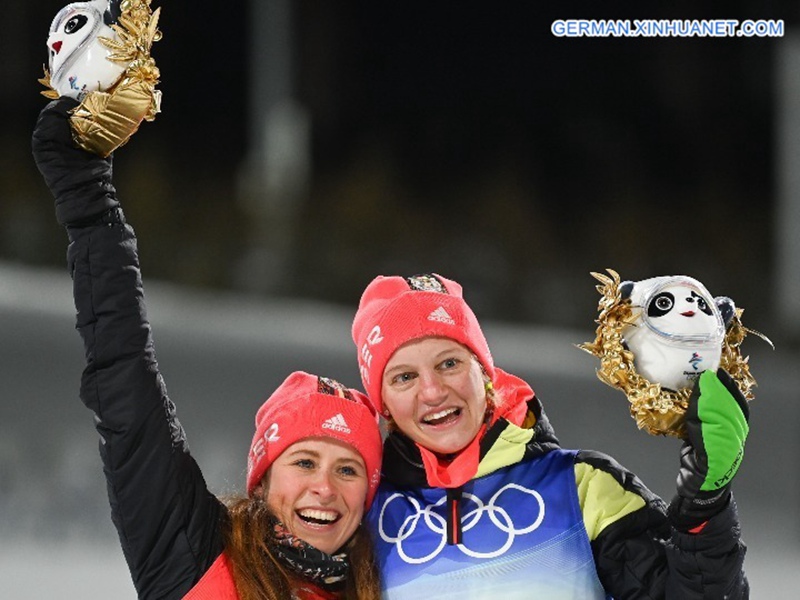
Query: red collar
[[441, 473]]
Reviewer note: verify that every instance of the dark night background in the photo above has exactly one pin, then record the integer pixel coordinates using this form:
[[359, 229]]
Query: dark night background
[[458, 138], [462, 138]]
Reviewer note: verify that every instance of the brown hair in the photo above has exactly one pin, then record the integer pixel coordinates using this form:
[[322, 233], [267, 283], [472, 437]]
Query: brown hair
[[259, 576]]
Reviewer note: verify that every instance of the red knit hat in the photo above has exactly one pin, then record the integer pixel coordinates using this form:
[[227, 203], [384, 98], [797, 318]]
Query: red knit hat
[[396, 310], [306, 406]]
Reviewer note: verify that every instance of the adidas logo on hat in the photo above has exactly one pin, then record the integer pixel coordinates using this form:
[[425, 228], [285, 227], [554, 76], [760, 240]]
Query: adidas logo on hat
[[336, 423], [440, 315]]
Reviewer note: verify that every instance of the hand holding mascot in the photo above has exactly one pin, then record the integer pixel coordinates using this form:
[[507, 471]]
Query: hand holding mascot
[[99, 56], [674, 350]]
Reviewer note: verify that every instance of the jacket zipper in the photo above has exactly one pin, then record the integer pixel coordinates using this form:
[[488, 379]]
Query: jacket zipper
[[454, 532]]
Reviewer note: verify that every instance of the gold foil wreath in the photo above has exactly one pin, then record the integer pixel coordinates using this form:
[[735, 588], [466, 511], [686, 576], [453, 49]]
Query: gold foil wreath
[[106, 120], [657, 410]]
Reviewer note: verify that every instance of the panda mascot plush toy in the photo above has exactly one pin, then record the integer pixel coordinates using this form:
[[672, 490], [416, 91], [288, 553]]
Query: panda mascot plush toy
[[678, 329], [79, 62], [654, 339], [99, 55]]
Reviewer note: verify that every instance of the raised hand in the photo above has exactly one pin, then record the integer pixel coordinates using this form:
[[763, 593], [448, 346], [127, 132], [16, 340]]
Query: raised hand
[[717, 427], [80, 181]]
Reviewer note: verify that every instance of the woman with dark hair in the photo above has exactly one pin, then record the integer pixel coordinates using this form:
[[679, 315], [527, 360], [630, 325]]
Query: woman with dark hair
[[312, 470], [313, 466]]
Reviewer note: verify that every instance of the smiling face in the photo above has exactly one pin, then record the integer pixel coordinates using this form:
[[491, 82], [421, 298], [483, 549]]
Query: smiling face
[[78, 62], [435, 392], [681, 310], [72, 28], [317, 488]]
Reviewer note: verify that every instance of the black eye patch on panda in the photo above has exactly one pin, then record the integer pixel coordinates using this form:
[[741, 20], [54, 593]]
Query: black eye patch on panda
[[75, 23], [702, 304], [661, 305]]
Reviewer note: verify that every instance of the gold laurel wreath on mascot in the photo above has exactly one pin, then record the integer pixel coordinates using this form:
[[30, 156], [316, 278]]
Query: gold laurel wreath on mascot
[[106, 119], [656, 409]]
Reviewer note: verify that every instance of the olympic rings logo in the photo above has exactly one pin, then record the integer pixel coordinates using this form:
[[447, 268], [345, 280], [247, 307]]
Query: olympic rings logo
[[437, 523]]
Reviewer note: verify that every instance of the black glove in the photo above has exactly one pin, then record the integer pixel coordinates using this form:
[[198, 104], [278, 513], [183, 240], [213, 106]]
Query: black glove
[[79, 181], [717, 427]]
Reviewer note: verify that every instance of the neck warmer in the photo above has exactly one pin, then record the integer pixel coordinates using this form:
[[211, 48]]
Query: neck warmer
[[326, 571]]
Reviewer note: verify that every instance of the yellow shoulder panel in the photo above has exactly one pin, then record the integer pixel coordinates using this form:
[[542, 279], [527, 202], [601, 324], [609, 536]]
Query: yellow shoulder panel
[[507, 450], [602, 499]]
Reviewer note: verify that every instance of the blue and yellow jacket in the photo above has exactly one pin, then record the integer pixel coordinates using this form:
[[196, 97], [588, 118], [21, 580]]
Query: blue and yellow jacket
[[537, 521]]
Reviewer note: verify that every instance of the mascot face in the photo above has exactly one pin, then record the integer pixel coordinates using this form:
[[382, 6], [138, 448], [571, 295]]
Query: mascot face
[[678, 332], [78, 61], [681, 311]]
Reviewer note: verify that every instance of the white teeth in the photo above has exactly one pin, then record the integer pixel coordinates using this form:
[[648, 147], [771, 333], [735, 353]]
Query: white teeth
[[318, 515], [439, 415]]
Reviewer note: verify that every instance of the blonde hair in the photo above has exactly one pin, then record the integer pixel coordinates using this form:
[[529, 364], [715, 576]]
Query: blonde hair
[[259, 576]]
